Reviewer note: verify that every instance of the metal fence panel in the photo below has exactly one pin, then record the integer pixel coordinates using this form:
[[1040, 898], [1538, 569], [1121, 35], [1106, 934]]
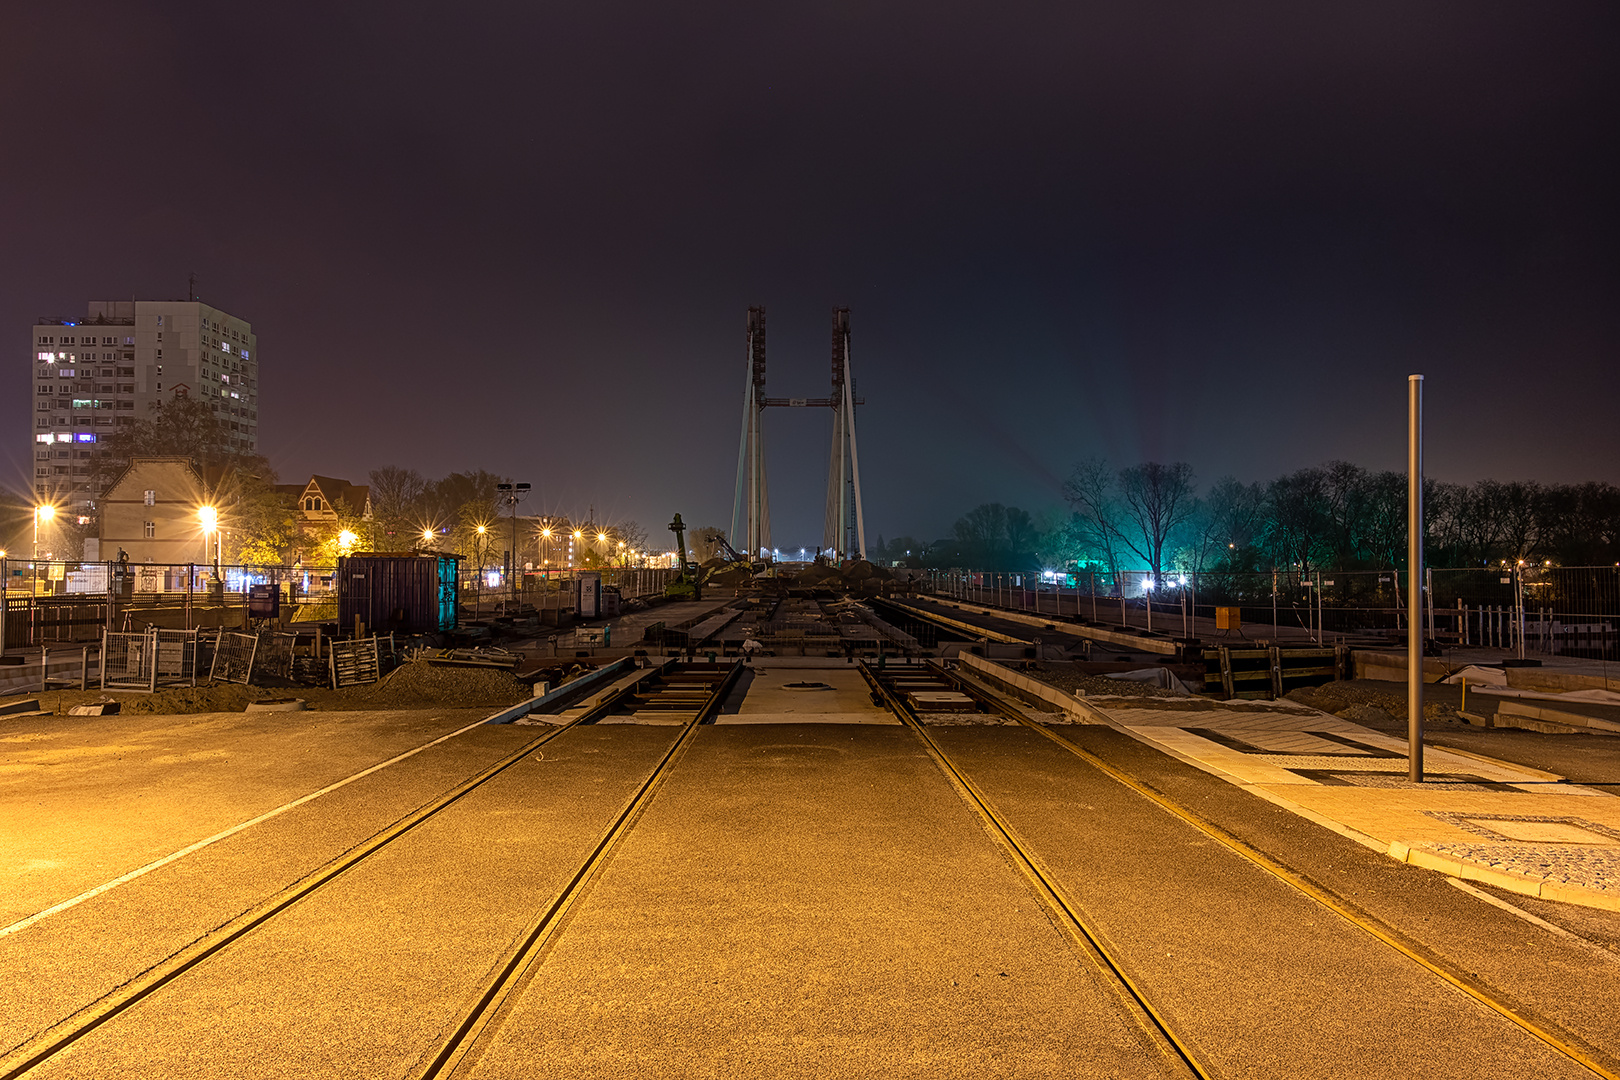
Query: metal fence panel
[[127, 661], [233, 658], [276, 653]]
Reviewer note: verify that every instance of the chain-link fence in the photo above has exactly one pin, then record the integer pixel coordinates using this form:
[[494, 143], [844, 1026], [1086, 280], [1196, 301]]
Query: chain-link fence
[[544, 592], [1554, 610], [50, 602]]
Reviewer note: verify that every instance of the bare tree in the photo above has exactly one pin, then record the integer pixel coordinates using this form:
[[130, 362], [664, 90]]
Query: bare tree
[[1090, 491], [1297, 521], [397, 509], [1157, 499], [1228, 520], [1517, 507]]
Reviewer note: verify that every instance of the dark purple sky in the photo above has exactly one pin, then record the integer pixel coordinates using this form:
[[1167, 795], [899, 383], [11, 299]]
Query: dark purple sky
[[522, 237]]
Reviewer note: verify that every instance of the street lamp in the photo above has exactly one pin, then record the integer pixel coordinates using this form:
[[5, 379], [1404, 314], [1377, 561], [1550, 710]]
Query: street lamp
[[209, 516], [43, 512], [511, 495], [478, 554]]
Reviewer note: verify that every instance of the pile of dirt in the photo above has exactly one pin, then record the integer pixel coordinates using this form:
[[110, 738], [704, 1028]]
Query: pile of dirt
[[170, 701], [1372, 706], [204, 697], [1067, 677], [414, 685], [421, 683]]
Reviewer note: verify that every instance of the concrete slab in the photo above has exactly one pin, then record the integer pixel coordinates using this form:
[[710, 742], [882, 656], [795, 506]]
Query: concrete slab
[[1354, 780], [769, 697]]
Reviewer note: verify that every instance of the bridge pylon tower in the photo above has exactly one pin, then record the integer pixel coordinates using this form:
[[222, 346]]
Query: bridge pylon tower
[[844, 532], [750, 508]]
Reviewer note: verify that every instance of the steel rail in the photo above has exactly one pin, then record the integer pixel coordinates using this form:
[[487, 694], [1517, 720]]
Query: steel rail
[[485, 1016], [1383, 932], [1050, 892], [1388, 935], [595, 713], [70, 1029]]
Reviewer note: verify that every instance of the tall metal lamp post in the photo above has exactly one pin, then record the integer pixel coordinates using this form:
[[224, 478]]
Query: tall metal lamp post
[[511, 495], [43, 512], [209, 516], [478, 581]]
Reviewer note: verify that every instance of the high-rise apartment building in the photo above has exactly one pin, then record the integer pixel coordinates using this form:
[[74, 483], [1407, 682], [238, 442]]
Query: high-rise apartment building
[[122, 362]]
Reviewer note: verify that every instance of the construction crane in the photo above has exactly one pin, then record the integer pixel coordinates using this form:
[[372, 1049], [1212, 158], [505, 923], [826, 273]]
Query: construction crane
[[685, 584]]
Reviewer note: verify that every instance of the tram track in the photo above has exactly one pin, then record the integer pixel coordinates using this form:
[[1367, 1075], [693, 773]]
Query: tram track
[[483, 1018], [1045, 885], [1547, 1032], [60, 1036]]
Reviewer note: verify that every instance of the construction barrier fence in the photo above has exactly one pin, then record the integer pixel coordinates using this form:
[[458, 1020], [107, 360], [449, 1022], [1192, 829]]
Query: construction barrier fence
[[1551, 610]]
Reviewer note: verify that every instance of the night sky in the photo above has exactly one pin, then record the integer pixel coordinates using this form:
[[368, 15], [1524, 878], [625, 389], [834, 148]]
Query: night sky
[[522, 237]]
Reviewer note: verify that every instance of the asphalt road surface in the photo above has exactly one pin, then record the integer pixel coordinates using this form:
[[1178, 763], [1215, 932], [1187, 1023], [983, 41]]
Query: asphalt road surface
[[790, 900]]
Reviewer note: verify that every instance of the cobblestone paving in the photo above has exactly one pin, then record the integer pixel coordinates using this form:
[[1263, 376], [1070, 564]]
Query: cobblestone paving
[[1595, 867]]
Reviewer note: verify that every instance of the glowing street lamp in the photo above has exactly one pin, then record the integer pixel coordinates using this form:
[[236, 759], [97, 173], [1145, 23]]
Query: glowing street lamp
[[209, 517], [346, 540], [43, 512]]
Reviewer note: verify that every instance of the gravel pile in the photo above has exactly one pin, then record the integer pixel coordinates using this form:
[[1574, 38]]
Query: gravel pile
[[421, 683], [1067, 677], [1372, 705], [412, 686]]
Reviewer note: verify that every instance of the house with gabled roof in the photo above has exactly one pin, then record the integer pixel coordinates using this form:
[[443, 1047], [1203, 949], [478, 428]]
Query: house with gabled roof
[[150, 511], [318, 499], [316, 503]]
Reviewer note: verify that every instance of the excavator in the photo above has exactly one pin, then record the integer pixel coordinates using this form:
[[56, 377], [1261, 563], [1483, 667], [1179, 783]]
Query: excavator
[[686, 584]]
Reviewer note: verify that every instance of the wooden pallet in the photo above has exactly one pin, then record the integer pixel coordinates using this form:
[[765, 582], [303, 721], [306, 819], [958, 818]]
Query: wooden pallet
[[354, 663]]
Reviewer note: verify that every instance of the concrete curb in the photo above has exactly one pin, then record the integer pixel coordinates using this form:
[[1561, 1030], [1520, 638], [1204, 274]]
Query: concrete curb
[[1462, 869], [1523, 884], [567, 691], [1064, 700], [1062, 624]]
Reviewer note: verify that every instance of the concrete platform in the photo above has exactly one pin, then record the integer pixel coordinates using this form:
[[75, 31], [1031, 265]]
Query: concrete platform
[[1478, 819]]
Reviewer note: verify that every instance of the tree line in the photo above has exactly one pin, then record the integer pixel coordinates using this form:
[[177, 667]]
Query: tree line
[[1339, 516], [263, 525]]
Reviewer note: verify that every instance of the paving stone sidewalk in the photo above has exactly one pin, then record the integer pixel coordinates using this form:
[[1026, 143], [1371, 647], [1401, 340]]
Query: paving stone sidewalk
[[1473, 818]]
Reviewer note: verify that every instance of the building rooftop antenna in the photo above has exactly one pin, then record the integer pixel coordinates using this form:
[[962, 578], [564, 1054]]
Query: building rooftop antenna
[[191, 288]]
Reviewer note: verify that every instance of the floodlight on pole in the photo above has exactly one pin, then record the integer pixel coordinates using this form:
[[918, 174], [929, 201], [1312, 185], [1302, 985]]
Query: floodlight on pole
[[42, 512], [209, 517], [511, 495]]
